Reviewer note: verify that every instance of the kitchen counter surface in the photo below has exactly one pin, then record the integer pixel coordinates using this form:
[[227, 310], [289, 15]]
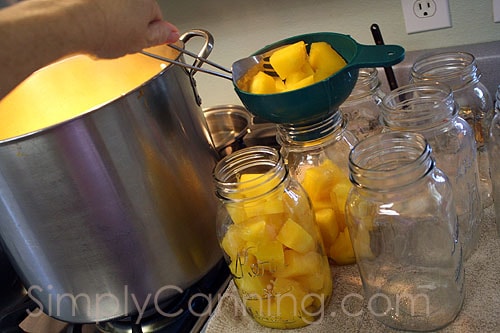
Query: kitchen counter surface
[[480, 312]]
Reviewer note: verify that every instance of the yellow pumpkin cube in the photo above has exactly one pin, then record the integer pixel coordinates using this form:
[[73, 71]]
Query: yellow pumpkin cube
[[289, 59], [342, 191], [270, 255], [314, 282], [251, 184], [295, 77], [295, 65], [307, 81], [236, 212], [317, 183], [295, 237], [274, 222], [232, 242], [338, 197], [328, 227], [339, 212], [283, 286], [252, 230], [263, 207], [251, 286], [262, 83], [324, 58], [280, 84], [301, 264], [273, 204], [335, 170], [307, 69], [341, 251], [245, 264], [320, 75]]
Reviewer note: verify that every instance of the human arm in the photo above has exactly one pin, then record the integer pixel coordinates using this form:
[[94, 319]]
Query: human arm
[[35, 33]]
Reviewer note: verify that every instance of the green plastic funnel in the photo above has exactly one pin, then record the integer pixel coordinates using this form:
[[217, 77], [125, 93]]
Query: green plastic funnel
[[317, 100]]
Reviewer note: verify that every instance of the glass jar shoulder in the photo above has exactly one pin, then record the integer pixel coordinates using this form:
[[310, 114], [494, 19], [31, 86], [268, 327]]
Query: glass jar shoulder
[[427, 197], [475, 94], [334, 147], [452, 136]]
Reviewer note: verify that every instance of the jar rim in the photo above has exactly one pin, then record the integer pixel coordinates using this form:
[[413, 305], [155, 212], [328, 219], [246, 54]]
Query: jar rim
[[366, 85], [445, 66], [418, 105], [267, 160], [391, 160], [301, 134]]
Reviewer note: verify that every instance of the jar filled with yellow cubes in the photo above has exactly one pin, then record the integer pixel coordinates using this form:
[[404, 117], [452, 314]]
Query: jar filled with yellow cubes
[[267, 231], [317, 156]]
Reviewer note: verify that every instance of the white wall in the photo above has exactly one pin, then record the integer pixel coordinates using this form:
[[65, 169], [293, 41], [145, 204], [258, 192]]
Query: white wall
[[241, 27]]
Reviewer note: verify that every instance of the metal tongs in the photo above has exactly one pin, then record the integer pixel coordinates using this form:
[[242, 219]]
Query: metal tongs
[[239, 68], [193, 67]]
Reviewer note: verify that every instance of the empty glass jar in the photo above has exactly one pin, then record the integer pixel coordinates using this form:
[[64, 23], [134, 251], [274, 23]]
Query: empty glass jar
[[270, 240], [459, 71], [494, 150], [362, 109], [316, 155], [402, 220], [429, 109]]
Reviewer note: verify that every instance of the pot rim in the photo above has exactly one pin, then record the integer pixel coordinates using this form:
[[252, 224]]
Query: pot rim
[[91, 110]]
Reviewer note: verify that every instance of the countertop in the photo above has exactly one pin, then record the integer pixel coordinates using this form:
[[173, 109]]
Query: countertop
[[480, 312]]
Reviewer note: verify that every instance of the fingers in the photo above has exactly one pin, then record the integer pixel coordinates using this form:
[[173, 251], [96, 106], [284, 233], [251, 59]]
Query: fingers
[[118, 27], [160, 32]]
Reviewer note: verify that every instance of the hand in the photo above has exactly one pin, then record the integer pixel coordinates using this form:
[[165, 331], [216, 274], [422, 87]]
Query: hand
[[118, 27], [34, 33]]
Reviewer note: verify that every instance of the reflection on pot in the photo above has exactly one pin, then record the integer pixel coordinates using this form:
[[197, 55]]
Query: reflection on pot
[[232, 128]]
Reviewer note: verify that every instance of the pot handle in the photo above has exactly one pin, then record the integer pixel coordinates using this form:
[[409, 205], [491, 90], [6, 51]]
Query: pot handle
[[205, 50]]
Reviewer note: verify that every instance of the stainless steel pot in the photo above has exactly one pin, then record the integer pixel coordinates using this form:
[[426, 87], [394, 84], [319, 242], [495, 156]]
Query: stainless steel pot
[[232, 128], [111, 210], [228, 125]]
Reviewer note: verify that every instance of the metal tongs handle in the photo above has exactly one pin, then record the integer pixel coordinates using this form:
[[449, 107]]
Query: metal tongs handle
[[193, 67]]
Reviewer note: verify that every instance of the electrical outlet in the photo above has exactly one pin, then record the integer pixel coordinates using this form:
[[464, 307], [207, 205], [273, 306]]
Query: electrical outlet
[[424, 8], [424, 15], [496, 10]]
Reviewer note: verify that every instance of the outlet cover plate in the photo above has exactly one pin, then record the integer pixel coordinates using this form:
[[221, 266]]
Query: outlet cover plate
[[496, 10], [425, 15]]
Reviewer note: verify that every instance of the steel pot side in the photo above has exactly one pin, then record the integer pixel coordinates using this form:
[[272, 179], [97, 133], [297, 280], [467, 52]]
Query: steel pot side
[[114, 207], [228, 126]]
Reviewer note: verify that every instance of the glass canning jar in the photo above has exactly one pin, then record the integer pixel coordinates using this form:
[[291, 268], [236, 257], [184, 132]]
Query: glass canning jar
[[316, 155], [494, 151], [270, 240], [459, 71], [429, 109], [361, 110], [403, 225]]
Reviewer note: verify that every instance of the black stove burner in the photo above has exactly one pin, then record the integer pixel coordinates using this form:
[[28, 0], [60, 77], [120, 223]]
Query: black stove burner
[[12, 316], [193, 307]]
